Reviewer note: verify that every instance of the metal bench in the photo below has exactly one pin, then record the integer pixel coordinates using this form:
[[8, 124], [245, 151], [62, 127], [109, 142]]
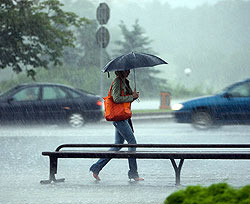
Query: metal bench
[[160, 151]]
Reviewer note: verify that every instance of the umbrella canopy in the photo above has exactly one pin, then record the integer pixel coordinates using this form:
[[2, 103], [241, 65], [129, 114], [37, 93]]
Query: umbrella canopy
[[133, 60]]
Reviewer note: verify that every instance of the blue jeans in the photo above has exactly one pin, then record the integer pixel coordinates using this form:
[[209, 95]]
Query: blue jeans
[[123, 131]]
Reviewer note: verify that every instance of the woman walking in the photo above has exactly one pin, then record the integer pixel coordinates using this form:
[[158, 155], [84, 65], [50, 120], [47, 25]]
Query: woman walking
[[123, 129]]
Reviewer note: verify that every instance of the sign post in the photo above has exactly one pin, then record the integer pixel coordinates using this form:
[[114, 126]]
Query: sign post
[[102, 35]]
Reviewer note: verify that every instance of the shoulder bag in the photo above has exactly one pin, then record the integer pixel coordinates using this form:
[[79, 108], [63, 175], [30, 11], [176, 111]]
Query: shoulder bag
[[116, 111]]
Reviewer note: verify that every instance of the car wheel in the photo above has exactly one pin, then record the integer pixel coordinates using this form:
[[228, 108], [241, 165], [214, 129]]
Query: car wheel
[[76, 120], [202, 120]]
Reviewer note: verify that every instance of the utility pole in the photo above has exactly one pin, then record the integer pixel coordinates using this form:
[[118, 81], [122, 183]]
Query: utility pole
[[102, 35]]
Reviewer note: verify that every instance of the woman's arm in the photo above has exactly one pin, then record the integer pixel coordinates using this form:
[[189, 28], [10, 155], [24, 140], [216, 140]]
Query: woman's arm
[[116, 93]]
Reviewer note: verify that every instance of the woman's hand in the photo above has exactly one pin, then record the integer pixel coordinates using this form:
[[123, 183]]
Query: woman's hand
[[135, 95]]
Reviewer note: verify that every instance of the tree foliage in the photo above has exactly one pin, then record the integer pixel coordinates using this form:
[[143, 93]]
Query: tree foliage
[[78, 78], [34, 33], [133, 40], [86, 39], [136, 41]]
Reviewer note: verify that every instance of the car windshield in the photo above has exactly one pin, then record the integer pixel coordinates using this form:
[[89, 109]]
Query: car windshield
[[222, 90], [9, 91], [225, 89]]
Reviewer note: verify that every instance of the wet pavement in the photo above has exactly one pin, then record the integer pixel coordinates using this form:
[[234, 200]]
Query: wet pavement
[[23, 166]]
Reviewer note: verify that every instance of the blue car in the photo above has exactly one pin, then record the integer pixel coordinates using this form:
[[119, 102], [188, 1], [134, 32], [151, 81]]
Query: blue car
[[230, 107]]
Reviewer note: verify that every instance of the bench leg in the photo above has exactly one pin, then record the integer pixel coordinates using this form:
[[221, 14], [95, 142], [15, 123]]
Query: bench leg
[[52, 172], [177, 170]]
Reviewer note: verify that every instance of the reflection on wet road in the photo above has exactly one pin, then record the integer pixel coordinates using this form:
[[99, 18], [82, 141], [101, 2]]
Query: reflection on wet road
[[23, 166]]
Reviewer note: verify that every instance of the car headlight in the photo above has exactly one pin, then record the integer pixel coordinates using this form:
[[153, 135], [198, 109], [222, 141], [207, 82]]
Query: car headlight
[[177, 107]]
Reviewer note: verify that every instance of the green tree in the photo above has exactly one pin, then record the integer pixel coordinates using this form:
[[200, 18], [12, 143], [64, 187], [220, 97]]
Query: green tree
[[80, 7], [90, 49], [71, 55], [135, 40], [34, 33], [78, 78]]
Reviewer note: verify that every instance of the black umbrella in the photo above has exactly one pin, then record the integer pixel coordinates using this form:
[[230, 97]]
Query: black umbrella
[[133, 60]]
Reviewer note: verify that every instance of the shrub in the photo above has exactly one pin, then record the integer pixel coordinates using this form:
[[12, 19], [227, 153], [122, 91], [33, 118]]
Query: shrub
[[220, 193]]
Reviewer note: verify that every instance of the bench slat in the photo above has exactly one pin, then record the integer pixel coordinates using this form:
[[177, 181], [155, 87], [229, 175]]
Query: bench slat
[[156, 145], [150, 155]]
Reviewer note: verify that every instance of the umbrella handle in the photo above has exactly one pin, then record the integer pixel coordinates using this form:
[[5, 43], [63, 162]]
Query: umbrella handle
[[138, 100], [134, 79]]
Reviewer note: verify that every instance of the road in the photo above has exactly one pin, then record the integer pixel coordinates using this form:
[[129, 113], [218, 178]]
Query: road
[[23, 166]]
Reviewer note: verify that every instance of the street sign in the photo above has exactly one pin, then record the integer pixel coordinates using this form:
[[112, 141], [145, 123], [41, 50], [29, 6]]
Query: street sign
[[102, 37], [102, 13]]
